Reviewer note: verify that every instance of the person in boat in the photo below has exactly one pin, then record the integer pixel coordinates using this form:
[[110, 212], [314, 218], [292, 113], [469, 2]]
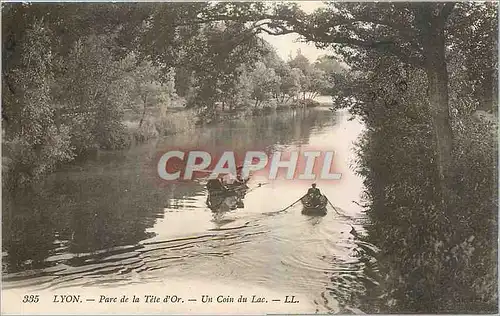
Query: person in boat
[[216, 185], [239, 175], [314, 193], [232, 180], [229, 179]]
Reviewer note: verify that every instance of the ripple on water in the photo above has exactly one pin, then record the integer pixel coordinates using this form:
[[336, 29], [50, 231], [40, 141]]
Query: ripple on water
[[315, 256]]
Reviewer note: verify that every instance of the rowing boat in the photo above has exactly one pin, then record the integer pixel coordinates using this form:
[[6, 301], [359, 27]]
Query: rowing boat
[[226, 197], [314, 206]]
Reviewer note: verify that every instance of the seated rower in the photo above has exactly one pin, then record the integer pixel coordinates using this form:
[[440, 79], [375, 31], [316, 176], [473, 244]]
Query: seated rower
[[239, 180], [314, 192], [215, 185]]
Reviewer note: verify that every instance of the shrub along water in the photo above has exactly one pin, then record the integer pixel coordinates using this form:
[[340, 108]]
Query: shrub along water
[[105, 84], [435, 255], [430, 179]]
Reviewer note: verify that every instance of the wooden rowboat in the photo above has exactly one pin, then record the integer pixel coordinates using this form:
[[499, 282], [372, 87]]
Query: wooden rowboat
[[227, 197], [314, 206], [224, 203]]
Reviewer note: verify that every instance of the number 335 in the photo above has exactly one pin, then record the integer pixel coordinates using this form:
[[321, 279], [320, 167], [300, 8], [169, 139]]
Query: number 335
[[30, 299]]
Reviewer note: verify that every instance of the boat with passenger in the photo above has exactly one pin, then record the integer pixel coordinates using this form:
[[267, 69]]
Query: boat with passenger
[[314, 205], [225, 195]]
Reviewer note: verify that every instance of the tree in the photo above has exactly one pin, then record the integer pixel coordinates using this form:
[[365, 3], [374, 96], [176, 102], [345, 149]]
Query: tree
[[333, 71], [301, 62], [294, 82], [149, 91], [289, 82], [432, 258], [329, 64], [317, 83], [91, 94], [34, 141], [472, 53], [220, 49], [414, 33], [265, 83], [313, 80]]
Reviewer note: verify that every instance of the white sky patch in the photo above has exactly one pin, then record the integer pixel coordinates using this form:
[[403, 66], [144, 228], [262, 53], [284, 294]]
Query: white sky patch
[[288, 45], [310, 6]]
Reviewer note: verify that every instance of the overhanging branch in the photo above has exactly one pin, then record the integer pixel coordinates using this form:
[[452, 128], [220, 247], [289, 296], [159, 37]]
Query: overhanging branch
[[274, 25]]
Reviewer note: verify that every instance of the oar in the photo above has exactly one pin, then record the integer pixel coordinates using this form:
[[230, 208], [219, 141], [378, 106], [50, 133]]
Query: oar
[[332, 205], [292, 204], [346, 216], [258, 186]]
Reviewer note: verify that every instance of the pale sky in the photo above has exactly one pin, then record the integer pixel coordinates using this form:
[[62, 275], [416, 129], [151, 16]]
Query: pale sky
[[288, 44]]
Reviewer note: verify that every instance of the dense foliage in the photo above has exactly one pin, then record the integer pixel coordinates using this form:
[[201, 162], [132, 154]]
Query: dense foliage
[[431, 259], [422, 76], [85, 77], [438, 243]]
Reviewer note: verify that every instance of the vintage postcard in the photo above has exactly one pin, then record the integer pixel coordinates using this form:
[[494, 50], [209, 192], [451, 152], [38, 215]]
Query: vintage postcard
[[249, 158]]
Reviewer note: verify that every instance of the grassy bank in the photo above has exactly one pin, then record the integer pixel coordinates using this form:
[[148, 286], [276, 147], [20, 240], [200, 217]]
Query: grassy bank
[[178, 119], [153, 126]]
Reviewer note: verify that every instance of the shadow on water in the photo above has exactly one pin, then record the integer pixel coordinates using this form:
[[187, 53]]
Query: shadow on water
[[107, 220], [110, 199]]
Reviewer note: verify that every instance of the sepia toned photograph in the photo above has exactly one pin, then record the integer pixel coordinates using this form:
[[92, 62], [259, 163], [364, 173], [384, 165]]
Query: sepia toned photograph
[[208, 158]]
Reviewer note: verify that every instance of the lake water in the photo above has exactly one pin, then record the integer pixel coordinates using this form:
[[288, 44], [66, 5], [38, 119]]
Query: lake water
[[108, 223]]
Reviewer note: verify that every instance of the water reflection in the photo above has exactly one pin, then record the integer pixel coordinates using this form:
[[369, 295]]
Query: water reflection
[[107, 219], [28, 232], [110, 200]]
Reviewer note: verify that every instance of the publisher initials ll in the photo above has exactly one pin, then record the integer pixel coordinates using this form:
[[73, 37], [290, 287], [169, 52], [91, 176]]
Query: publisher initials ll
[[290, 299]]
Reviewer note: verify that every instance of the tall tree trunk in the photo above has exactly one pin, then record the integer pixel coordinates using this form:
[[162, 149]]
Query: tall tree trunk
[[437, 76], [438, 97]]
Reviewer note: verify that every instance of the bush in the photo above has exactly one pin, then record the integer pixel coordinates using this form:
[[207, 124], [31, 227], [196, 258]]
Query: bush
[[145, 132], [435, 256], [309, 103], [25, 163], [176, 122]]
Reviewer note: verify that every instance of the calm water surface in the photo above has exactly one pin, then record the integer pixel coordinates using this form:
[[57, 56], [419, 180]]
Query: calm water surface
[[108, 222]]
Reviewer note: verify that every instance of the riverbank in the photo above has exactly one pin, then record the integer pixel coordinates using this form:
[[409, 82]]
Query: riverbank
[[107, 223], [21, 168], [179, 119]]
